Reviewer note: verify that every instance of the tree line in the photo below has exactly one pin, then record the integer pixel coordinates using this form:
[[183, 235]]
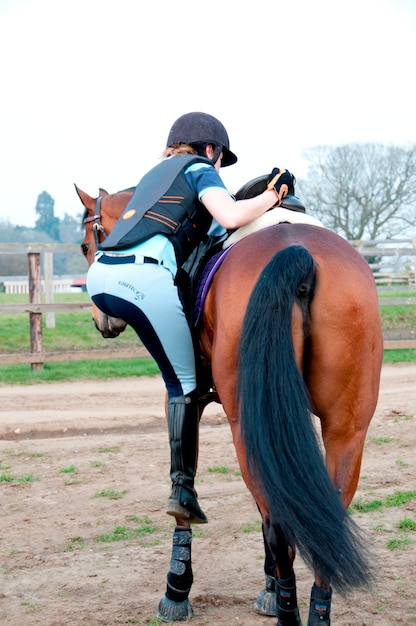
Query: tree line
[[48, 229], [361, 191]]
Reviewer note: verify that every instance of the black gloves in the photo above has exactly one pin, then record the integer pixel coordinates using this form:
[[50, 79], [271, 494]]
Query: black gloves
[[282, 182]]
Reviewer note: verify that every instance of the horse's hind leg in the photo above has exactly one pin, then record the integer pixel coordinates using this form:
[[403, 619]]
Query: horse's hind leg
[[345, 406], [282, 555]]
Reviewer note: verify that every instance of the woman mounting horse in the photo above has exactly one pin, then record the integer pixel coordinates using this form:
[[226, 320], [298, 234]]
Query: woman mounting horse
[[174, 207], [290, 327]]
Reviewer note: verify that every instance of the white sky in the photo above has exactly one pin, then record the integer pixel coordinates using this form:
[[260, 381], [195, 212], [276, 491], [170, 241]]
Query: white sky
[[90, 88]]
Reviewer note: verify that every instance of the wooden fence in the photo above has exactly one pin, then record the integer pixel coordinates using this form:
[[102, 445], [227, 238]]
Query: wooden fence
[[36, 286], [386, 258]]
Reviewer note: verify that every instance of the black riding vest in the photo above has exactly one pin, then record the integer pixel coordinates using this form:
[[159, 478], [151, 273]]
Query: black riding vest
[[163, 203]]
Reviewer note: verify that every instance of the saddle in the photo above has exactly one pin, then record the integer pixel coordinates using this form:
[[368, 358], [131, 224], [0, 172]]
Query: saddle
[[195, 276]]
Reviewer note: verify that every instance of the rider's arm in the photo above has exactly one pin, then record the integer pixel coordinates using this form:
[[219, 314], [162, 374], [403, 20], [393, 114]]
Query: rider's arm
[[232, 213]]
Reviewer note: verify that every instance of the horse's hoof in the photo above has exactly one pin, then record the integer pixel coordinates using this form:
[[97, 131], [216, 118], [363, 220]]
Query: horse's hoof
[[170, 611], [265, 603]]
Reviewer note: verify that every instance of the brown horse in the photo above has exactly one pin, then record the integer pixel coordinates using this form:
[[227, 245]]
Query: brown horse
[[291, 328]]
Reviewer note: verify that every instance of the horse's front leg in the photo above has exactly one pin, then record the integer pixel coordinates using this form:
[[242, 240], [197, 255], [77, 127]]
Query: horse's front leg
[[265, 603], [175, 605], [279, 596]]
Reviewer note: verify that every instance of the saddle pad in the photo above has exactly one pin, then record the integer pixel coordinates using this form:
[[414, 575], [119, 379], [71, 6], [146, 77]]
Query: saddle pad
[[205, 280], [274, 216]]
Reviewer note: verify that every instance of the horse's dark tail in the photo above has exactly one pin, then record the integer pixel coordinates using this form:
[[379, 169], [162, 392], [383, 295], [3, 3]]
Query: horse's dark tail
[[283, 451]]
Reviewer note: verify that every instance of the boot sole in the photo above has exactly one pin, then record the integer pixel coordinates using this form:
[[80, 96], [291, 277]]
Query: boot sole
[[180, 512]]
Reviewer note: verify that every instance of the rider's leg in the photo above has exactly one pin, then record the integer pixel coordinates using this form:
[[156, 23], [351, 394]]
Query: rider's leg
[[155, 312]]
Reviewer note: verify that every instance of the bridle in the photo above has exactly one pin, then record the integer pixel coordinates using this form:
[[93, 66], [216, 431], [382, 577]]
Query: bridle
[[97, 227]]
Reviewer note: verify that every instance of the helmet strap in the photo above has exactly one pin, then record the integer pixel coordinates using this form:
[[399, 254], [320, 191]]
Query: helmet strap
[[217, 152]]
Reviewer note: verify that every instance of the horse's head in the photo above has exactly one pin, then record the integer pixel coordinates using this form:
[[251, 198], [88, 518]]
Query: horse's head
[[99, 218]]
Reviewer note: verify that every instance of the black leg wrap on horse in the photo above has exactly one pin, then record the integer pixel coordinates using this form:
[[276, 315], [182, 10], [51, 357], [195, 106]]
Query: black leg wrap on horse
[[175, 606], [180, 576], [287, 603], [320, 606]]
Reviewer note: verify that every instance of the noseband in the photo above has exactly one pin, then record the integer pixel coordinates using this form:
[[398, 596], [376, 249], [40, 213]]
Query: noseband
[[97, 226]]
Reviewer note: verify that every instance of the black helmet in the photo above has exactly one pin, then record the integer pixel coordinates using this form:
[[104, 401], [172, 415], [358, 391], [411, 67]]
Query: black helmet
[[202, 128]]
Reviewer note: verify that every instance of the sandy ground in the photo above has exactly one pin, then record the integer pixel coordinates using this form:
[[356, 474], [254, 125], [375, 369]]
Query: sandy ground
[[80, 460]]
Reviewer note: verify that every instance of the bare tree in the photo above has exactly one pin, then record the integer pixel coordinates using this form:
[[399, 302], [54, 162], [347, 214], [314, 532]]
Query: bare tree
[[362, 191]]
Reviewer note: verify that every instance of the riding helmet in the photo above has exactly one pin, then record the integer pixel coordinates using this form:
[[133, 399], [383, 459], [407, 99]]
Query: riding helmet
[[199, 128]]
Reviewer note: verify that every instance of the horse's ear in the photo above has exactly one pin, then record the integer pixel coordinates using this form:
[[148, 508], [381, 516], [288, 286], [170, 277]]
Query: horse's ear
[[102, 192], [87, 201]]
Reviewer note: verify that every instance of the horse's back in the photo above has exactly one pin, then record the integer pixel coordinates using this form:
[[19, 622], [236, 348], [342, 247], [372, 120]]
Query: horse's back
[[344, 345]]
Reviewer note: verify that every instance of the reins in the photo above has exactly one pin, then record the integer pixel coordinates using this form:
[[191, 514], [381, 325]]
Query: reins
[[97, 226]]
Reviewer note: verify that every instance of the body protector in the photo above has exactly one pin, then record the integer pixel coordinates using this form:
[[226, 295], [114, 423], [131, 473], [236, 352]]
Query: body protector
[[163, 203]]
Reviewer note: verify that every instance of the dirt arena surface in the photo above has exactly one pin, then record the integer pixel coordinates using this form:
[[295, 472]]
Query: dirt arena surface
[[83, 464]]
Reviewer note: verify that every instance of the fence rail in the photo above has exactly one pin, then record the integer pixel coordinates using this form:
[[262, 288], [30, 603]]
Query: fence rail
[[387, 252], [74, 355], [35, 308]]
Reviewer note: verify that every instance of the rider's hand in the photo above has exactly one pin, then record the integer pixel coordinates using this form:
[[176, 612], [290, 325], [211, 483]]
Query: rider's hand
[[282, 182]]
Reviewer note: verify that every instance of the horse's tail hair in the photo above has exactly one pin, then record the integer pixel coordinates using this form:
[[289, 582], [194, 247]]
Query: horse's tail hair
[[284, 456]]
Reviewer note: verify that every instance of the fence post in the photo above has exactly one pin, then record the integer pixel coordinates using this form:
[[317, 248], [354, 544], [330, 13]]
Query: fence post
[[49, 296], [414, 264], [35, 297]]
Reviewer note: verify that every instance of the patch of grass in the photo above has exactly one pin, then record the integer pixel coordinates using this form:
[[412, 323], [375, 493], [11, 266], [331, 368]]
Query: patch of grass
[[74, 330], [398, 316], [112, 494], [73, 481], [219, 469], [5, 477], [401, 417], [68, 470], [401, 463], [407, 524], [394, 292], [113, 449], [398, 543], [78, 370], [399, 497], [400, 356], [380, 440], [30, 605], [367, 507], [253, 528], [392, 500], [123, 533], [381, 529], [75, 543]]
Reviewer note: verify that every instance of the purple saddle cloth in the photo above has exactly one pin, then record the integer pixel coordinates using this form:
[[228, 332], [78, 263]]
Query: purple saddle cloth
[[205, 281]]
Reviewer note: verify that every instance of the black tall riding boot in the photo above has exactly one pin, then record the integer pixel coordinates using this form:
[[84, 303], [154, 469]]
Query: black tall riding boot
[[183, 426]]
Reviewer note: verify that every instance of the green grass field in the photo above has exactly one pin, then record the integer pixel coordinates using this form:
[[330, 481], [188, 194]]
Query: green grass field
[[75, 331]]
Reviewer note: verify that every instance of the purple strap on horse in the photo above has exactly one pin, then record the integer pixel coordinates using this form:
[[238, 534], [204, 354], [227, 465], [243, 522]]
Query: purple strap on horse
[[205, 281]]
